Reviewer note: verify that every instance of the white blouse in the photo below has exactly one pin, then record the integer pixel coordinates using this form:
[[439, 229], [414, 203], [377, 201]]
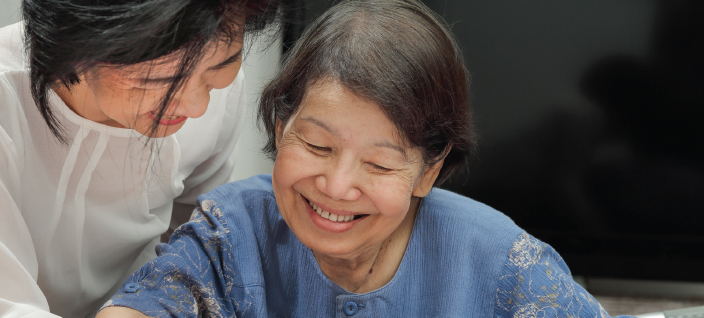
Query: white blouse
[[77, 219]]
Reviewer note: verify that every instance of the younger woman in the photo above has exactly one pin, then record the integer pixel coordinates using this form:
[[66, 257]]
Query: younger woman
[[111, 112]]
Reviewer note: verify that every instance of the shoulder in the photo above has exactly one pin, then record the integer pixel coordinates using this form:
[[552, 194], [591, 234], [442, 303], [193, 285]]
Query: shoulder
[[461, 245], [14, 77], [469, 219], [14, 86], [241, 215], [457, 231], [227, 225], [14, 125], [241, 192], [248, 206], [11, 48]]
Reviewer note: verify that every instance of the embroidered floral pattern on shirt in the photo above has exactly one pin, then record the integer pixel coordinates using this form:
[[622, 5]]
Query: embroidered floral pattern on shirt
[[535, 282], [525, 252], [183, 283]]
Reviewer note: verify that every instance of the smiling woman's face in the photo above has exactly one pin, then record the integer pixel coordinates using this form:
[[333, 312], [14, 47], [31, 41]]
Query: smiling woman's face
[[129, 97], [341, 155]]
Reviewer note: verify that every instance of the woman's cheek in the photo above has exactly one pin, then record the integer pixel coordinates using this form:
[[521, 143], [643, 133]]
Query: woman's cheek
[[294, 161], [150, 100], [392, 194], [225, 76]]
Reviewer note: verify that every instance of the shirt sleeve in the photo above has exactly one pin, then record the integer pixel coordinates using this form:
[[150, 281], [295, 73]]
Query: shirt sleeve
[[192, 277], [20, 295], [536, 282]]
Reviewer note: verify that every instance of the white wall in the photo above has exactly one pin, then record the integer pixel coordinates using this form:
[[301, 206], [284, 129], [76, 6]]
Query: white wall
[[260, 64], [9, 12]]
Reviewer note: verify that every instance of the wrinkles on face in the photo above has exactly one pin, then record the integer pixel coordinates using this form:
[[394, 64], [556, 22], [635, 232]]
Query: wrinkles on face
[[345, 184], [367, 166], [341, 153]]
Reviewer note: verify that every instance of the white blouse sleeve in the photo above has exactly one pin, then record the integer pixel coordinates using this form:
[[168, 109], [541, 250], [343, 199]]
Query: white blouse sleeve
[[20, 295]]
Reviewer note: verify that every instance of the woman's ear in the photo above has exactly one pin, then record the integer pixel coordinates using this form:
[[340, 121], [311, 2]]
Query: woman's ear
[[430, 175], [428, 179], [277, 132]]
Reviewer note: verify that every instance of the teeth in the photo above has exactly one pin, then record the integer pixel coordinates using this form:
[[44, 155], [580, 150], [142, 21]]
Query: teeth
[[330, 216], [170, 117]]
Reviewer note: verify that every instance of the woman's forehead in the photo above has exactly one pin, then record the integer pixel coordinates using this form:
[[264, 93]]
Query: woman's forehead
[[335, 109], [327, 100], [168, 65]]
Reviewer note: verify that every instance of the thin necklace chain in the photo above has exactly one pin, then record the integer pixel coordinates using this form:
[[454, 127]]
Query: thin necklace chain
[[376, 259]]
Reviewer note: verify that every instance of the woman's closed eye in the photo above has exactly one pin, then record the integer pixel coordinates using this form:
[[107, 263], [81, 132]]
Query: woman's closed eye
[[321, 151], [379, 168], [318, 149], [153, 84], [157, 82]]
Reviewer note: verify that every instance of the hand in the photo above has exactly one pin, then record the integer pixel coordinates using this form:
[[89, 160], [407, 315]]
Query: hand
[[119, 312]]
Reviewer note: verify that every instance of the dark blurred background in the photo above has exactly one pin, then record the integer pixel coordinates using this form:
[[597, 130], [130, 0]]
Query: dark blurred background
[[589, 114]]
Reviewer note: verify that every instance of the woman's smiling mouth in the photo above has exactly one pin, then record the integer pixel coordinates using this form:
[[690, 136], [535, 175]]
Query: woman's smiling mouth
[[331, 221], [334, 217], [167, 120]]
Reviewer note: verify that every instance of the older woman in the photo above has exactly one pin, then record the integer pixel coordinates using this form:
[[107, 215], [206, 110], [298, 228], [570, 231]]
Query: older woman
[[369, 113]]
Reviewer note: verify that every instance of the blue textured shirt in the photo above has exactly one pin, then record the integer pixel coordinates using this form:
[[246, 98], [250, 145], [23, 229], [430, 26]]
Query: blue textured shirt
[[237, 257]]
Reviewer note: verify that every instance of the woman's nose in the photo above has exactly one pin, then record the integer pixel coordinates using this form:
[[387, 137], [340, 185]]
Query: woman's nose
[[194, 101], [339, 185]]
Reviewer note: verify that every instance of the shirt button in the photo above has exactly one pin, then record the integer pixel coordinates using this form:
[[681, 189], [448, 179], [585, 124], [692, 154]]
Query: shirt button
[[350, 308], [131, 287]]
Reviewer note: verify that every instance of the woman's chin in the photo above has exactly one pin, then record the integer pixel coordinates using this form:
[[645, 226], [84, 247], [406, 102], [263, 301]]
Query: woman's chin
[[161, 130]]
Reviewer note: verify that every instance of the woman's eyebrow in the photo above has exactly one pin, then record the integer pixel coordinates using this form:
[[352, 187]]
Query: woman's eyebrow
[[228, 61], [385, 144], [388, 144], [321, 124], [171, 79], [160, 80]]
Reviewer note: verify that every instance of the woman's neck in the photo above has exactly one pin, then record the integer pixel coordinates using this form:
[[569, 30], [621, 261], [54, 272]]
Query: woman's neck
[[376, 267]]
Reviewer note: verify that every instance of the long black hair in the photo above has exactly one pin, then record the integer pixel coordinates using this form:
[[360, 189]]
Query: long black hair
[[66, 38], [396, 53]]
